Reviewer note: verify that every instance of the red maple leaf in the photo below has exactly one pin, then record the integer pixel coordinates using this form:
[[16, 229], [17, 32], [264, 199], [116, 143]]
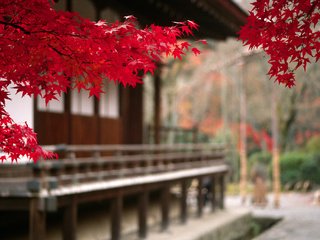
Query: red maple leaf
[[44, 52], [287, 31]]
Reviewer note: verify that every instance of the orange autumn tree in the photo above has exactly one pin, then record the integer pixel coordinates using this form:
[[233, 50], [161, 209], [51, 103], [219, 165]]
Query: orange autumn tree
[[44, 52]]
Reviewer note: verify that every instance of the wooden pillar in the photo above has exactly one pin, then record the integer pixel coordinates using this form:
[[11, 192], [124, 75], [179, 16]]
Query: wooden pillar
[[221, 191], [116, 215], [142, 214], [165, 207], [200, 197], [132, 114], [183, 201], [69, 5], [68, 115], [213, 193], [70, 215], [157, 105], [37, 221]]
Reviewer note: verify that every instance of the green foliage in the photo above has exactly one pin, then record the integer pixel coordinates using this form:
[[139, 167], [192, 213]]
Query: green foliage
[[313, 145], [300, 166], [290, 164], [310, 169], [260, 157]]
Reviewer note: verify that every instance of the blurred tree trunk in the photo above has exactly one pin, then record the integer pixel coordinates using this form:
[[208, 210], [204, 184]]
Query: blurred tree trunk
[[243, 136], [275, 149], [286, 121]]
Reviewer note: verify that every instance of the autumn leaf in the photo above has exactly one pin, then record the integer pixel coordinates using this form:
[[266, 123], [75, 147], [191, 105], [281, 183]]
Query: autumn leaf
[[45, 52], [196, 51], [287, 31]]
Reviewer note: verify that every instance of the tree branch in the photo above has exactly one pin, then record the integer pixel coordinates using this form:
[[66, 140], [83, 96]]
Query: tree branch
[[15, 26]]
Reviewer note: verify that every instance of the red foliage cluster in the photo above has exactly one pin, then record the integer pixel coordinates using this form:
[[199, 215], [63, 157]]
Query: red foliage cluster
[[288, 31], [44, 52], [19, 140]]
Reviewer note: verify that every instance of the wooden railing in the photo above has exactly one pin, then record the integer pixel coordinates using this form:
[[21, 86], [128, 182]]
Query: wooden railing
[[95, 172], [170, 134]]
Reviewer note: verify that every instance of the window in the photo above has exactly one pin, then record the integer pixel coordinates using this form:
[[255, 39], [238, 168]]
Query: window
[[109, 102], [81, 103], [56, 106]]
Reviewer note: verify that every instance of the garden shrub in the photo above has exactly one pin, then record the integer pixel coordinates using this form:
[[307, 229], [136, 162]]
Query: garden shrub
[[300, 166], [313, 145], [290, 166], [310, 169]]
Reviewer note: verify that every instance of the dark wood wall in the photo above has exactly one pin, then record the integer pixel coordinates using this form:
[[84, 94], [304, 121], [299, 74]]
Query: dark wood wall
[[111, 131], [51, 128], [57, 128]]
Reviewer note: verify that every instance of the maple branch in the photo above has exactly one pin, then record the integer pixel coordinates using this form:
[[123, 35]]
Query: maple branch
[[57, 51], [82, 36], [15, 26]]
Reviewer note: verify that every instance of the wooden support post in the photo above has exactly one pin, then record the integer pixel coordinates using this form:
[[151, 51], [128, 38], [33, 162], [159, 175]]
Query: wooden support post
[[200, 197], [221, 189], [183, 202], [213, 193], [37, 221], [116, 215], [157, 105], [70, 212], [142, 214], [165, 206]]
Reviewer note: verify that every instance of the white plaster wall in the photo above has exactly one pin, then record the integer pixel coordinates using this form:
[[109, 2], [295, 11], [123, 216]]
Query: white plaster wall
[[109, 101], [21, 111], [20, 108]]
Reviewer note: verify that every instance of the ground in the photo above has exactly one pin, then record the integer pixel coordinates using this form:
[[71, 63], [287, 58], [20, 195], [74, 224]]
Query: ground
[[301, 217]]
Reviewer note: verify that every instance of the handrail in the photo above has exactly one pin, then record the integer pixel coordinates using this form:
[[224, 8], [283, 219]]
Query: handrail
[[120, 161], [131, 147]]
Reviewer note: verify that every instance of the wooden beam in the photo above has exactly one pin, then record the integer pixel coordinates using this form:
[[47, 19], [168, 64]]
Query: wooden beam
[[213, 193], [116, 216], [200, 201], [37, 221], [165, 207], [70, 212], [142, 214], [183, 201], [221, 191]]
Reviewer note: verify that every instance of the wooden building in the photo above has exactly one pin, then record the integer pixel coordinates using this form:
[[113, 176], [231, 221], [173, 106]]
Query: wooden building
[[117, 118]]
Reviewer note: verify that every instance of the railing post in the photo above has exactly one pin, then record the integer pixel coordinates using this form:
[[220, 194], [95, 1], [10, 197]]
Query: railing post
[[116, 216], [200, 201], [70, 212], [37, 220], [142, 214], [165, 206], [99, 167], [183, 201]]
